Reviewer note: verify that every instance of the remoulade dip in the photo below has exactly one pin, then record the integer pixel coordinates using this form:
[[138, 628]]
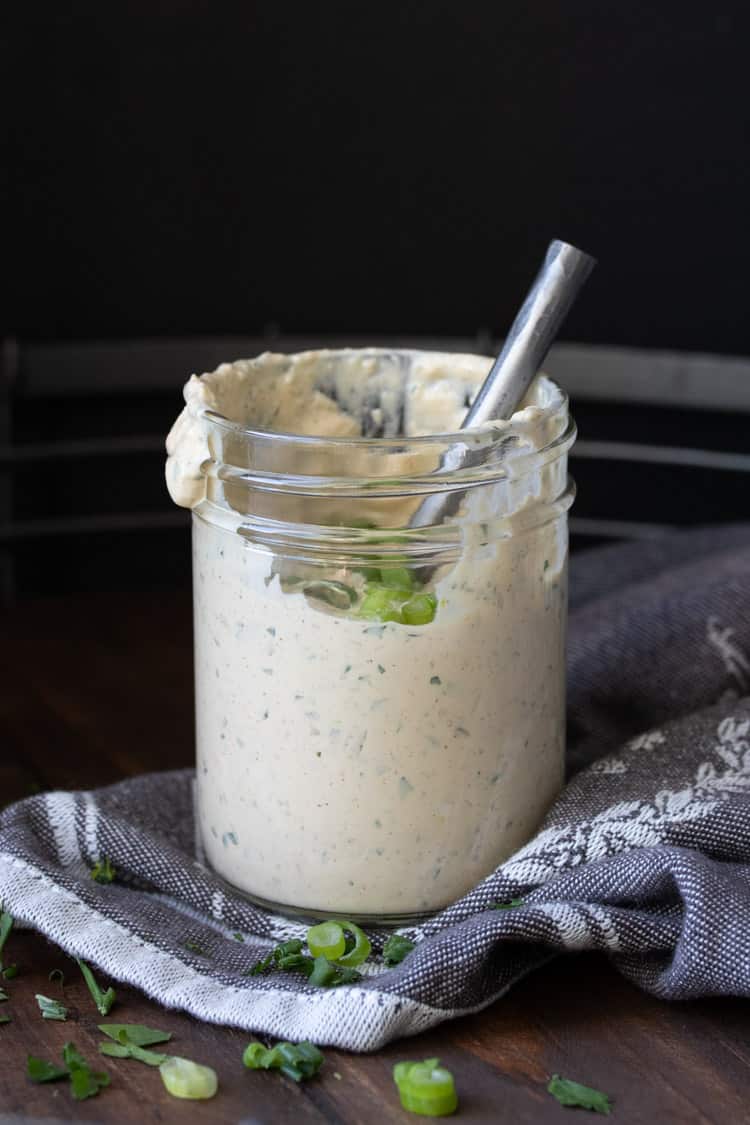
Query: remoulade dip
[[380, 708]]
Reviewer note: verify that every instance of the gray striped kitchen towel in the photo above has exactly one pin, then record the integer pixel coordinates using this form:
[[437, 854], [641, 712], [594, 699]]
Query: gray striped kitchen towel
[[645, 856]]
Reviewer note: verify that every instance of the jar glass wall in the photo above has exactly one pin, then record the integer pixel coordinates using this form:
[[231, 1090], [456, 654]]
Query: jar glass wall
[[380, 706]]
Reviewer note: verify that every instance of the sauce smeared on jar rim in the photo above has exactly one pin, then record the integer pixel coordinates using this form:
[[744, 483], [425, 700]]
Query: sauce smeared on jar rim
[[340, 394]]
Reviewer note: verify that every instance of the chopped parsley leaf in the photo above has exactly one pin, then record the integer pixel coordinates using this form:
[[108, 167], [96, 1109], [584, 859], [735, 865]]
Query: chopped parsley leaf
[[260, 966], [84, 1082], [103, 871], [396, 948], [507, 905], [6, 925], [40, 1071], [195, 947], [573, 1094]]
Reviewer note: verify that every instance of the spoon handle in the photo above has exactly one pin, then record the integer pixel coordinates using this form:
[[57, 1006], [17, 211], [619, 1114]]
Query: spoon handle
[[555, 288]]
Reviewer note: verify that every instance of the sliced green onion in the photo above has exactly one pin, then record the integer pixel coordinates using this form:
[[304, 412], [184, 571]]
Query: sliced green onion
[[361, 948], [51, 1009], [294, 945], [383, 603], [369, 573], [326, 940], [103, 1000], [256, 1057], [405, 605], [419, 610], [426, 1088], [186, 1079], [296, 1060], [398, 577]]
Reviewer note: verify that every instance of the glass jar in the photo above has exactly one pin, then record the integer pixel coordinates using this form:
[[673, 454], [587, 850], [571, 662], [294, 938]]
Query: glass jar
[[380, 706]]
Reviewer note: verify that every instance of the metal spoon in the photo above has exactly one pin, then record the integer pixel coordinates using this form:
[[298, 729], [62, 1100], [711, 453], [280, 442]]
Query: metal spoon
[[548, 302]]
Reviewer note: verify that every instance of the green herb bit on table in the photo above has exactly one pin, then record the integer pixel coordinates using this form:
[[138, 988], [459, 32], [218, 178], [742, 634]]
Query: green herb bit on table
[[38, 1070], [6, 925], [183, 1078], [507, 905], [195, 947], [261, 966], [573, 1094], [3, 996], [426, 1088], [396, 948], [51, 1009], [136, 1033], [329, 974], [298, 1061], [130, 1041], [103, 1000], [103, 871], [84, 1082], [5, 1019]]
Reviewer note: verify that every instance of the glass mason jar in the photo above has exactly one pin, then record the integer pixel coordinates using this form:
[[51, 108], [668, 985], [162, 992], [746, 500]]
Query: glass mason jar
[[380, 706]]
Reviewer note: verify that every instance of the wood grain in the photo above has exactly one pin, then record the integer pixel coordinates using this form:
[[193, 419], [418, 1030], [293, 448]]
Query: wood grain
[[100, 687]]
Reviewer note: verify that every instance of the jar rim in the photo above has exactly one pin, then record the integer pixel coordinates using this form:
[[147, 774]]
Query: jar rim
[[205, 445], [499, 430]]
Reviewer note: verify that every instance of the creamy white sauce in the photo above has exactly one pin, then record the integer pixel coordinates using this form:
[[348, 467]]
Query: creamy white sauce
[[352, 767]]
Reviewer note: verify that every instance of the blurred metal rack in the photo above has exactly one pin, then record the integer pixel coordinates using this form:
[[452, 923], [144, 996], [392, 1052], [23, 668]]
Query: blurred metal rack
[[82, 426]]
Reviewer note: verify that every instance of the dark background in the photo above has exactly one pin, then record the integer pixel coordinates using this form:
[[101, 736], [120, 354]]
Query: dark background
[[343, 170], [208, 168]]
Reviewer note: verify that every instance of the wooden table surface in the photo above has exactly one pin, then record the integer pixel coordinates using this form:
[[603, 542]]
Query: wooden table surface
[[97, 688]]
